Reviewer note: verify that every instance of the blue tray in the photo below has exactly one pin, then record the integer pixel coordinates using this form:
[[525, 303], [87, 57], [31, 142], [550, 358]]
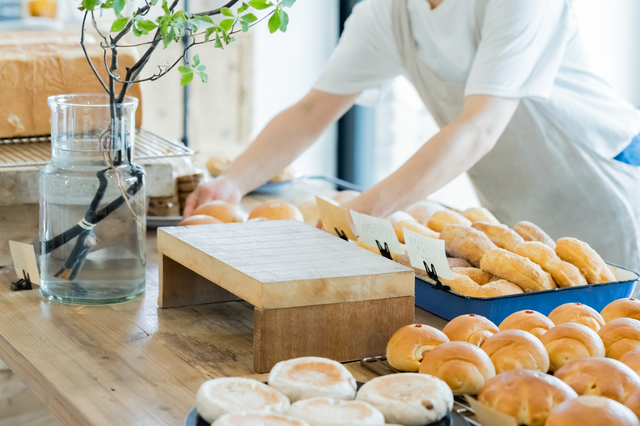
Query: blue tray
[[449, 305]]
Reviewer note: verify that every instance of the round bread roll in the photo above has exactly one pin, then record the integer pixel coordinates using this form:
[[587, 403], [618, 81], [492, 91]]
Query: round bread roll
[[568, 342], [456, 262], [600, 376], [480, 214], [344, 197], [563, 273], [233, 395], [465, 286], [527, 395], [440, 219], [423, 210], [517, 269], [532, 232], [516, 349], [632, 360], [633, 403], [277, 210], [500, 235], [330, 412], [408, 399], [577, 313], [620, 336], [221, 210], [407, 346], [531, 321], [257, 419], [216, 164], [470, 328], [414, 226], [309, 377], [590, 410], [199, 219], [310, 212], [621, 308], [581, 255], [462, 366], [466, 243]]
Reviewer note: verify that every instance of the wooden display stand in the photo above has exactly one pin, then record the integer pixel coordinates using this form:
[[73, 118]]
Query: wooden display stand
[[314, 294]]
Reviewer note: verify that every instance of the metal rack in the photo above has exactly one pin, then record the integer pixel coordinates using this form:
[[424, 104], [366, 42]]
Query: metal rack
[[36, 151]]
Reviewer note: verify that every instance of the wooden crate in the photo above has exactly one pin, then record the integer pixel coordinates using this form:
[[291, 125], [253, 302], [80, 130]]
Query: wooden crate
[[313, 294]]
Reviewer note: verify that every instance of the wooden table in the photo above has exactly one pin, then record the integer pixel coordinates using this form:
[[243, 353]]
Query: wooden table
[[130, 363]]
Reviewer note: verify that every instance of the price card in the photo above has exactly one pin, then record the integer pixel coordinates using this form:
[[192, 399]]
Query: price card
[[427, 250], [335, 219], [374, 231], [24, 261]]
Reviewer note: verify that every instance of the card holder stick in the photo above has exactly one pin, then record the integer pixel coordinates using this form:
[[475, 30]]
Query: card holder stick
[[384, 250], [341, 234], [23, 283], [433, 274]]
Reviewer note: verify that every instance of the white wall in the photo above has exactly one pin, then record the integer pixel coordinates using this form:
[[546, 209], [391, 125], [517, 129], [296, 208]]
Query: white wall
[[286, 66]]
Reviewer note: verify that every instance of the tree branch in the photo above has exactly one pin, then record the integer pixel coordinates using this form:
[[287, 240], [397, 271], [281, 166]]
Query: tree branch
[[86, 55], [216, 11]]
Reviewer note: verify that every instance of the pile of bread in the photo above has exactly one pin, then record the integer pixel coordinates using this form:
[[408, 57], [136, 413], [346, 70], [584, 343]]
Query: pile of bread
[[594, 359], [315, 391]]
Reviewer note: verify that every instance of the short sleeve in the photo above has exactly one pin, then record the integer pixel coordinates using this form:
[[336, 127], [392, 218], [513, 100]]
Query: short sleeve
[[522, 45], [365, 60]]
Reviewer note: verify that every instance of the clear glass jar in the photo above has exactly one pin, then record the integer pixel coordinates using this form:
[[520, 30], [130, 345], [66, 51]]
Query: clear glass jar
[[92, 204]]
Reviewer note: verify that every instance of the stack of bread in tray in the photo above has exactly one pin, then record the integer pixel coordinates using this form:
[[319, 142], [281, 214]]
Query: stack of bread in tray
[[593, 361]]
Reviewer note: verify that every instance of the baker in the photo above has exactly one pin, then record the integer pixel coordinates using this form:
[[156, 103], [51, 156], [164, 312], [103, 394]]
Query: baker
[[542, 137]]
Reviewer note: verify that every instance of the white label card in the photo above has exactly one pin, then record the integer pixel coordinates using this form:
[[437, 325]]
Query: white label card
[[372, 229], [24, 259], [427, 250]]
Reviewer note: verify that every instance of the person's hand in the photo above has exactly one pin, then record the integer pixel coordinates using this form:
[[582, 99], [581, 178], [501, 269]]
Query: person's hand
[[221, 188]]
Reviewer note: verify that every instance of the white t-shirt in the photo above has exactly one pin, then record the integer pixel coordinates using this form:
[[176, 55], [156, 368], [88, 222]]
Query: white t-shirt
[[529, 49]]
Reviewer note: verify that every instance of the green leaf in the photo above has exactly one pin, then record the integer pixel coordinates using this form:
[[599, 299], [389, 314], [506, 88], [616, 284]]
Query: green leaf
[[196, 60], [89, 4], [248, 18], [284, 20], [204, 18], [218, 43], [168, 38], [204, 77], [178, 15], [165, 7], [201, 68], [119, 24], [243, 8], [287, 3], [186, 79], [260, 4], [147, 25], [153, 2], [137, 32], [208, 33], [245, 27], [226, 12], [118, 5], [184, 69], [227, 24], [274, 23]]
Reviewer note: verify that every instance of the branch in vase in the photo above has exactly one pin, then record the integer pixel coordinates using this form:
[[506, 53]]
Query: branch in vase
[[86, 55]]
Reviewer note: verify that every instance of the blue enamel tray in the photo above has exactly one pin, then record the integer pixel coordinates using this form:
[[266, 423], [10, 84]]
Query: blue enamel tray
[[449, 305]]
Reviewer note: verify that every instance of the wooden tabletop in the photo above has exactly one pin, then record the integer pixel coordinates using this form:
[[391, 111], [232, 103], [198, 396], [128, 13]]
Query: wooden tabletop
[[131, 363]]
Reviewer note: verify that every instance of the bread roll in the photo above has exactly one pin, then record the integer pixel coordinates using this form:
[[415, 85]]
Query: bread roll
[[330, 412], [600, 376], [462, 366], [580, 254], [567, 342], [465, 286], [423, 210], [621, 308], [308, 377], [527, 395], [531, 321], [258, 419], [633, 403], [477, 275], [516, 349], [577, 313], [414, 226], [408, 399], [589, 410], [517, 269], [456, 262], [221, 210], [480, 214], [500, 235], [563, 273], [442, 218], [310, 212], [620, 336], [199, 219], [407, 346], [466, 243], [532, 232], [343, 197], [470, 328], [216, 164], [232, 395], [277, 210]]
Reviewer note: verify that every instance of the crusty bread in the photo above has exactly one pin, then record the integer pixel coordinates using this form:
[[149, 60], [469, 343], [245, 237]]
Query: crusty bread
[[440, 219], [532, 232], [407, 346], [500, 235], [620, 336], [516, 349], [423, 210], [517, 269], [330, 412], [586, 259], [462, 366], [589, 410], [528, 320], [621, 308], [466, 243], [470, 328], [527, 395], [563, 273], [465, 286], [577, 313], [480, 214], [412, 225], [569, 341]]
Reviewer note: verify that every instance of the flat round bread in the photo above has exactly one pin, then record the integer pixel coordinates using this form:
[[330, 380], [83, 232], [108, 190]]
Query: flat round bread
[[330, 412], [258, 419]]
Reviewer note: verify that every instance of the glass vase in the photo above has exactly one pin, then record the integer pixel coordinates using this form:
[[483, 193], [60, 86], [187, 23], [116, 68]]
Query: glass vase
[[92, 203]]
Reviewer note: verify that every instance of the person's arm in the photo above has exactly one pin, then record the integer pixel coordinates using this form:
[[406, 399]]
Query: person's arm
[[454, 150], [286, 136]]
